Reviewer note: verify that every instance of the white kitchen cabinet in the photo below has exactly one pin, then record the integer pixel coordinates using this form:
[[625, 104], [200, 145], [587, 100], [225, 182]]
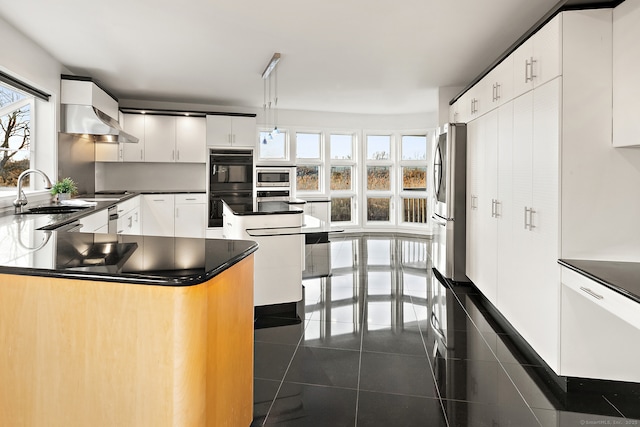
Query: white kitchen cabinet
[[97, 222], [164, 139], [498, 88], [453, 112], [546, 136], [158, 217], [535, 221], [191, 135], [129, 218], [488, 181], [190, 215], [231, 131], [539, 59], [474, 168], [600, 335], [626, 69], [160, 138], [135, 125]]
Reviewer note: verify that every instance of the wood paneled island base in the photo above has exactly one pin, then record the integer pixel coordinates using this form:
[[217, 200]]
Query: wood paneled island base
[[94, 353]]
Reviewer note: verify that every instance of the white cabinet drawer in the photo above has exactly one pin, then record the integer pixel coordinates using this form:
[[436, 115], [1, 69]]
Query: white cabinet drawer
[[600, 331], [619, 305], [187, 199]]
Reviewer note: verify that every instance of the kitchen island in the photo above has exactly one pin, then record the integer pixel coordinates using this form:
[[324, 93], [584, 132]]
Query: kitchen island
[[106, 330], [277, 227]]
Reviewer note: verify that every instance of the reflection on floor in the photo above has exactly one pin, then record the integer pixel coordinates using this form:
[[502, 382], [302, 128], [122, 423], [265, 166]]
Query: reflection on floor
[[383, 343]]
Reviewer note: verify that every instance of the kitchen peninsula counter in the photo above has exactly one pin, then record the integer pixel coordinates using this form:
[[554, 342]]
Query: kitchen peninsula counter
[[104, 330]]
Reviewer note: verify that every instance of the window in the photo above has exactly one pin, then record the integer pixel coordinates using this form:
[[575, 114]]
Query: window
[[379, 178], [15, 135], [342, 183], [413, 179], [309, 161], [273, 147]]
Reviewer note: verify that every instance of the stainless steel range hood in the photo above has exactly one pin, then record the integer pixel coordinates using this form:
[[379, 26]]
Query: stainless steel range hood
[[88, 120]]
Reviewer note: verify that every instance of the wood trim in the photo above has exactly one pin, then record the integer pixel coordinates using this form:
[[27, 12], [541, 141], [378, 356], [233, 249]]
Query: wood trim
[[80, 353]]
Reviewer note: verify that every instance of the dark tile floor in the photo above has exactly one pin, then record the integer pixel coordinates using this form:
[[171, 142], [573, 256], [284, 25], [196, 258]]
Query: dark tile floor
[[383, 343]]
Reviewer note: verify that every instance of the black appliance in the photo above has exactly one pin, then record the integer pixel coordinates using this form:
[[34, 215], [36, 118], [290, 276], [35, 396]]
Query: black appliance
[[231, 179]]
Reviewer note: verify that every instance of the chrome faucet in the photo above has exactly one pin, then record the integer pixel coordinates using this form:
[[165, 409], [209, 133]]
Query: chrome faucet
[[21, 199]]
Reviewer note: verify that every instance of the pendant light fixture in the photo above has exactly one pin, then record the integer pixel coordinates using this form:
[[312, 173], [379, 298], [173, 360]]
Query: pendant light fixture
[[270, 105]]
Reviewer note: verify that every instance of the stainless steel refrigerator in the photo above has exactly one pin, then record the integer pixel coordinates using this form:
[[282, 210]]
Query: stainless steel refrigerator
[[449, 207]]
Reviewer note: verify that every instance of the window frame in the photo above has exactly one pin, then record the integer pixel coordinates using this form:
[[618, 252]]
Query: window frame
[[355, 182], [30, 100], [311, 162], [287, 147], [366, 193], [403, 194]]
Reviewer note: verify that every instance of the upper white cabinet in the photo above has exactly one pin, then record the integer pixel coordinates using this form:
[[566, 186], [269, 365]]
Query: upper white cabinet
[[163, 139], [160, 138], [134, 124], [539, 59], [498, 87], [231, 131], [191, 136], [626, 69]]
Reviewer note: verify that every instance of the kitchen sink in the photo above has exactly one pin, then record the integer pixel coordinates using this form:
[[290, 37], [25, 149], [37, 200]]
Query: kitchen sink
[[53, 209]]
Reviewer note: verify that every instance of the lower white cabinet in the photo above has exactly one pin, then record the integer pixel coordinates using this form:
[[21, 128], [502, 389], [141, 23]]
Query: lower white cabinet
[[179, 215], [600, 331], [97, 222], [129, 221], [158, 217], [190, 215]]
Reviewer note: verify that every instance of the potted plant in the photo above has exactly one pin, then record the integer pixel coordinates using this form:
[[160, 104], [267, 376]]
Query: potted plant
[[64, 189]]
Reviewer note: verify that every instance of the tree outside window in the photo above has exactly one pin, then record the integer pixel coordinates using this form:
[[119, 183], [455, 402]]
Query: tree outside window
[[15, 135]]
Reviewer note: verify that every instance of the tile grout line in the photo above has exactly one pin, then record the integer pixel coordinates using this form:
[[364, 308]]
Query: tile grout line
[[614, 406], [273, 402], [494, 355], [364, 310]]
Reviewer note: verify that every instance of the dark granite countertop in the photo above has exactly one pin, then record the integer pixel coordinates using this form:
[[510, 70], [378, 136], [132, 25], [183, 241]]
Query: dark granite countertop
[[269, 208], [109, 192], [144, 260], [622, 277]]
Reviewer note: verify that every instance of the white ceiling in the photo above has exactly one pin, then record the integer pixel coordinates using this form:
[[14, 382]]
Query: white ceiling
[[360, 56]]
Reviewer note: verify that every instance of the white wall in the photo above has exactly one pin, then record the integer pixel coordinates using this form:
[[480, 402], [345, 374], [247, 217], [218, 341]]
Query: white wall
[[27, 61]]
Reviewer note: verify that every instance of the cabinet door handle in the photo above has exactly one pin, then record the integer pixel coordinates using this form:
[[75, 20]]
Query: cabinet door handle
[[590, 292], [178, 155], [531, 226], [498, 86], [526, 217], [533, 61], [158, 200], [141, 155], [177, 213], [497, 214], [493, 208], [130, 221], [173, 155]]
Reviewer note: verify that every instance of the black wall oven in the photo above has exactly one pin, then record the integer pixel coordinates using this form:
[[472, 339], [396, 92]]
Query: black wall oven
[[231, 179]]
